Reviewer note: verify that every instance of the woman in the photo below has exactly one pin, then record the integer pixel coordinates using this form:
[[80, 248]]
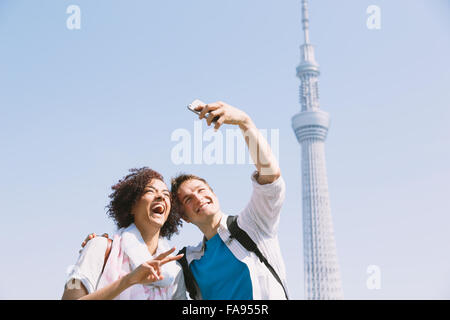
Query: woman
[[138, 265]]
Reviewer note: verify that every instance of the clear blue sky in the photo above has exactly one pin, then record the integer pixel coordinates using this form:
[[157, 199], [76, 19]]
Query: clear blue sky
[[78, 108]]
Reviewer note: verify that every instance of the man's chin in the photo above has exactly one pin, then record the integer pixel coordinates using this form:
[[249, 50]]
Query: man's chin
[[209, 212]]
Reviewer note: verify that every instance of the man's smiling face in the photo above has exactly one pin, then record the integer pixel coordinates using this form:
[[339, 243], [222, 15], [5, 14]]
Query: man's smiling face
[[198, 202]]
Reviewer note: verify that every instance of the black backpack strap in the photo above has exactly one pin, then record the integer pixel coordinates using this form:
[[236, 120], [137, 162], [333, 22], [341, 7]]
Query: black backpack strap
[[189, 279], [245, 240]]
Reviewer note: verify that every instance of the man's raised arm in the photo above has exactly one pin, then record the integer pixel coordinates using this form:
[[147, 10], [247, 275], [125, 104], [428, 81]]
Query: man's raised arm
[[260, 151]]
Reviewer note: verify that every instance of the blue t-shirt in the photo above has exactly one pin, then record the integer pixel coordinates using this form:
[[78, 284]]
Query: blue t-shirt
[[220, 275]]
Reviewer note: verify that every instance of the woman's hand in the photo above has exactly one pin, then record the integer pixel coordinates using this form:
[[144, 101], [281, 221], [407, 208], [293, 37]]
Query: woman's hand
[[150, 271], [147, 272]]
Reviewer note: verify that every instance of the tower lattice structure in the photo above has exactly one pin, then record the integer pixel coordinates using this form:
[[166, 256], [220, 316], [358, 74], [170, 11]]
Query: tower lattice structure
[[321, 267]]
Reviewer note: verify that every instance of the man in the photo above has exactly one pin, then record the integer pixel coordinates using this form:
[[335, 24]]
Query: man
[[220, 268]]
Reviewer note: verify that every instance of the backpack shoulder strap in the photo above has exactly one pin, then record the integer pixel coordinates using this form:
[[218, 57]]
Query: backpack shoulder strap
[[189, 279], [107, 252], [247, 242]]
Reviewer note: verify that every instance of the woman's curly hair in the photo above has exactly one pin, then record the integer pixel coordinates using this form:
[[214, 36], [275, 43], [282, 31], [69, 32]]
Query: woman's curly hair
[[128, 191]]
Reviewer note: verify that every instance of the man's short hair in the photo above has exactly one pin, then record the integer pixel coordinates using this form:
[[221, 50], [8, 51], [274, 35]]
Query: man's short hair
[[176, 182]]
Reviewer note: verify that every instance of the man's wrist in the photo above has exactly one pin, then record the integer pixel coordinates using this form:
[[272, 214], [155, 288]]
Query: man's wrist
[[246, 123]]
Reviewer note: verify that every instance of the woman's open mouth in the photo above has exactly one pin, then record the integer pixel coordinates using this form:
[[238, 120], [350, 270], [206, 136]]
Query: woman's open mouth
[[158, 208]]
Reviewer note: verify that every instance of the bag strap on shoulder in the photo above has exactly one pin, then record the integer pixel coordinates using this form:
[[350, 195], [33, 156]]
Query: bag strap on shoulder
[[189, 279], [107, 252], [244, 239], [247, 242]]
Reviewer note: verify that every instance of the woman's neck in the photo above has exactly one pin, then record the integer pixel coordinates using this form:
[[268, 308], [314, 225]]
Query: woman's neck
[[150, 237]]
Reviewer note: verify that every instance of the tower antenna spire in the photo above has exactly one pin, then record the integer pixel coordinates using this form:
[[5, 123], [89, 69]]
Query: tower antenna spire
[[305, 20]]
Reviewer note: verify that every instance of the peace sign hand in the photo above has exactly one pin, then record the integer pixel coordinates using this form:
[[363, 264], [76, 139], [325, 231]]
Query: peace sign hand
[[150, 271]]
